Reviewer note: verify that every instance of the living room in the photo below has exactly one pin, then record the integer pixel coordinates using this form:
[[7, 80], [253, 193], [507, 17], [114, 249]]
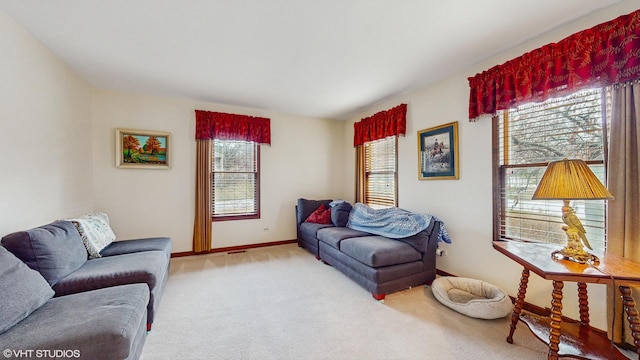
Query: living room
[[58, 141]]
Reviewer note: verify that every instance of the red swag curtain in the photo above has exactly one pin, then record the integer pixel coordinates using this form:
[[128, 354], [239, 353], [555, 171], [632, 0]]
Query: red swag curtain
[[380, 125], [606, 54], [223, 126]]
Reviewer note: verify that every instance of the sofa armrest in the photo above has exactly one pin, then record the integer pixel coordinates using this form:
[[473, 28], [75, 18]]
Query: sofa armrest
[[138, 245], [426, 241], [432, 245]]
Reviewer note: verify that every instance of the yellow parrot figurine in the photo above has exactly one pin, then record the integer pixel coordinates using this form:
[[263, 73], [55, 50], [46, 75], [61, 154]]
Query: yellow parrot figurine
[[569, 217]]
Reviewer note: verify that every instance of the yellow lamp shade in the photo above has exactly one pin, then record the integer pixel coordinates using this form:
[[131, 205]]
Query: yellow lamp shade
[[570, 180]]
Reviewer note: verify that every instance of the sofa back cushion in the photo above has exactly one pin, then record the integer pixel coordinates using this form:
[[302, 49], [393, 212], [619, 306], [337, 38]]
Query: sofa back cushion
[[305, 207], [54, 250], [23, 290]]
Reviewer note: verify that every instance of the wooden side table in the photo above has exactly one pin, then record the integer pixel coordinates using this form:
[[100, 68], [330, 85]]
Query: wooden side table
[[572, 339]]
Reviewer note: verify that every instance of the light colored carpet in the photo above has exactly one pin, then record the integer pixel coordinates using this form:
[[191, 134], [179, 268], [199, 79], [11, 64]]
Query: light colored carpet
[[281, 303]]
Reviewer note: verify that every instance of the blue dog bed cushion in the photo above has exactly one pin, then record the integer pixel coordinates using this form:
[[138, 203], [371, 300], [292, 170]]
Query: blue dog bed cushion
[[472, 297]]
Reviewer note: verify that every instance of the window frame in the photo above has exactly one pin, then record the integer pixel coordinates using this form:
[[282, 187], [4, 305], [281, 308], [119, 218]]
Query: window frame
[[368, 172], [499, 173], [248, 216]]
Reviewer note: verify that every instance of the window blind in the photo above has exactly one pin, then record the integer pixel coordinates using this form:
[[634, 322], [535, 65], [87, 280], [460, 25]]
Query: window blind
[[380, 172], [529, 137], [235, 181]]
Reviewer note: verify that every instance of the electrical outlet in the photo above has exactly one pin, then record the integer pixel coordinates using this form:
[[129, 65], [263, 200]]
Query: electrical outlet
[[441, 252]]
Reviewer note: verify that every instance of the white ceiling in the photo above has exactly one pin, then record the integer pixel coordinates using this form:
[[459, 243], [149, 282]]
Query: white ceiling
[[318, 58]]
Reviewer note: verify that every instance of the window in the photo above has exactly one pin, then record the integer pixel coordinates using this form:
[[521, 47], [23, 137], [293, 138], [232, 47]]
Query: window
[[380, 168], [527, 138], [236, 180]]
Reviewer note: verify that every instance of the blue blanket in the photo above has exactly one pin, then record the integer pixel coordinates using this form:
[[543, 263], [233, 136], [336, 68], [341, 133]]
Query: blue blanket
[[394, 223]]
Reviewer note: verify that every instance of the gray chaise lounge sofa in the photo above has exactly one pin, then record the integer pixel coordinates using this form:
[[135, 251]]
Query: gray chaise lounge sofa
[[100, 307], [379, 264]]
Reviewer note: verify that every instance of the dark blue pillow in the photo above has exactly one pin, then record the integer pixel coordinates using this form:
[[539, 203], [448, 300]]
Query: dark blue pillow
[[340, 213], [23, 290]]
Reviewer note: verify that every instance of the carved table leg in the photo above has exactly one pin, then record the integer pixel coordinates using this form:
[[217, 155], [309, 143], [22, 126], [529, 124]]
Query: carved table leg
[[632, 316], [556, 319], [583, 301], [517, 308]]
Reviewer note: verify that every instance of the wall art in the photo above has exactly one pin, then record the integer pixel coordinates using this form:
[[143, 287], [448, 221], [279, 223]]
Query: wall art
[[438, 152], [142, 149]]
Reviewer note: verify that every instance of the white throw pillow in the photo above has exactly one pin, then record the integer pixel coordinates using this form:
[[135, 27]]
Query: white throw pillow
[[95, 231]]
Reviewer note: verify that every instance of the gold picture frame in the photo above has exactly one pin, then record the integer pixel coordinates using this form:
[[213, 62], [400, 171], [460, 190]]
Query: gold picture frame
[[142, 149], [438, 153]]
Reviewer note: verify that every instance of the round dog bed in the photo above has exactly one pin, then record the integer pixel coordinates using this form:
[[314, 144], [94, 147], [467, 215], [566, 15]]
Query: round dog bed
[[472, 297]]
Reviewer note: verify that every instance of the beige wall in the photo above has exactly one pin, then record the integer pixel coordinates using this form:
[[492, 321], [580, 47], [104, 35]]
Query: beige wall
[[45, 134], [300, 162], [58, 160], [58, 143], [465, 204]]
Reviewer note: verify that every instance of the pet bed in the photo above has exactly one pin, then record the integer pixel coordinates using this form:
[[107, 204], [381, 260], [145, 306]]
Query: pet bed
[[471, 297]]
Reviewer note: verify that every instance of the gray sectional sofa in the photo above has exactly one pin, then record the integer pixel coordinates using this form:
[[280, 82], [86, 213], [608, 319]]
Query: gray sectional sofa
[[56, 299], [381, 265]]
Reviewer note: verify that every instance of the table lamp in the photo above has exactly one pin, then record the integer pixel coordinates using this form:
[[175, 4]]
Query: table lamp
[[571, 180]]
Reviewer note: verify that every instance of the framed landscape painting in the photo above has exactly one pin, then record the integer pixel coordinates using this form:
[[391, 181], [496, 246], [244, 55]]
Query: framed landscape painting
[[438, 152], [142, 149]]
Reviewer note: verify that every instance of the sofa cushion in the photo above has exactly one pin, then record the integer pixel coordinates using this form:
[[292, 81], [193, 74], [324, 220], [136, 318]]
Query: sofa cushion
[[101, 324], [150, 267], [377, 251], [143, 267], [333, 235], [95, 231], [310, 230], [54, 250], [23, 290], [322, 215], [340, 213], [362, 273]]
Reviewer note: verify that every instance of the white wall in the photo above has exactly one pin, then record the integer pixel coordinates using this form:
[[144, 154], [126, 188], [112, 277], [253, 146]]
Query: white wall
[[465, 205], [45, 134], [300, 162]]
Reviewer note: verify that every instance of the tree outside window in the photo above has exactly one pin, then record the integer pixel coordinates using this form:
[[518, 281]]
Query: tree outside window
[[236, 180], [530, 136]]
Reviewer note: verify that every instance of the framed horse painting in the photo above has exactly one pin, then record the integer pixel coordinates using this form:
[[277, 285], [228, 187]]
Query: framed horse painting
[[438, 153]]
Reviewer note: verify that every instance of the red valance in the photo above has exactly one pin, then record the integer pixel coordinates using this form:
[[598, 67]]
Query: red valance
[[380, 125], [223, 126], [606, 54]]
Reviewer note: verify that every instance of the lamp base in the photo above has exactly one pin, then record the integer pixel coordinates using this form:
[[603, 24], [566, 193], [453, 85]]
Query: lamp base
[[579, 256], [574, 250]]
